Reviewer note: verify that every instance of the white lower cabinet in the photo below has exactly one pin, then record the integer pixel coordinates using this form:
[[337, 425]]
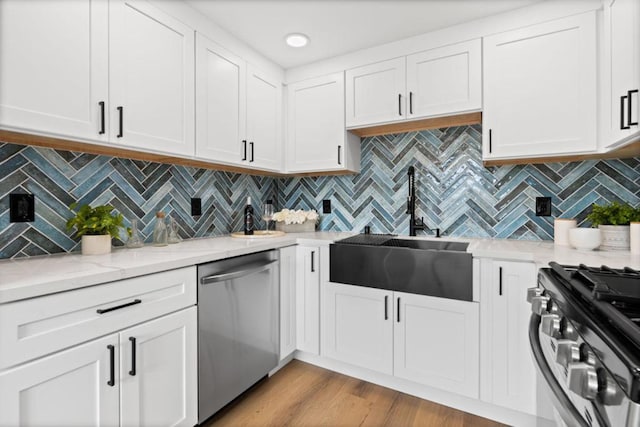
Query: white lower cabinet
[[436, 342], [358, 326], [509, 372], [428, 340], [287, 301], [158, 373], [69, 388], [308, 298]]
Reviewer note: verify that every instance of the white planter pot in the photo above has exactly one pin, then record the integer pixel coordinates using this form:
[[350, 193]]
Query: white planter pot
[[96, 245], [614, 237]]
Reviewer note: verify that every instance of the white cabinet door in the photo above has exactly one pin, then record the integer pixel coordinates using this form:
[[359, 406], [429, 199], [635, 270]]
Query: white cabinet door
[[357, 326], [540, 90], [264, 127], [308, 299], [75, 387], [151, 72], [511, 370], [158, 371], [375, 93], [287, 301], [220, 103], [54, 67], [446, 80], [622, 71], [317, 140], [436, 342]]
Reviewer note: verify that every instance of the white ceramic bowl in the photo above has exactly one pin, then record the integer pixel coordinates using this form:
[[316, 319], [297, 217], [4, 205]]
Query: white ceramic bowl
[[586, 239]]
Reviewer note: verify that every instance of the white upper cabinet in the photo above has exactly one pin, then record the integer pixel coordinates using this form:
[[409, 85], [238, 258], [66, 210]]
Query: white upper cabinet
[[445, 80], [220, 103], [540, 90], [151, 71], [54, 67], [436, 82], [621, 72], [316, 138], [375, 93], [264, 120]]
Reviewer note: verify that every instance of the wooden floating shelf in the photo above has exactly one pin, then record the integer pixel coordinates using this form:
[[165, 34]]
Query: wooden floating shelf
[[417, 125]]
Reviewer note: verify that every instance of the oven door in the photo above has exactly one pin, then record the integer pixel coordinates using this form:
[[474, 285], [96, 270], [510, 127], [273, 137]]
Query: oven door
[[561, 402]]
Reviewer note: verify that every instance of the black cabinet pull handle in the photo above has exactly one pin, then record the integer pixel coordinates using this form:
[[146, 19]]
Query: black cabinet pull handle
[[121, 125], [398, 311], [490, 138], [244, 149], [132, 372], [500, 280], [386, 308], [400, 104], [118, 307], [251, 144], [339, 154], [102, 130], [622, 125], [410, 102], [630, 121], [313, 268], [112, 366]]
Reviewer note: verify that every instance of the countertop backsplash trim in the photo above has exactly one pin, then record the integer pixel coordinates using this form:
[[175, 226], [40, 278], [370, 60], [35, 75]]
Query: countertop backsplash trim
[[455, 192]]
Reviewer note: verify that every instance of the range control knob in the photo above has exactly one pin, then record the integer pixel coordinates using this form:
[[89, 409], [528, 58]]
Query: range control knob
[[539, 304], [568, 352], [534, 292], [550, 325], [582, 379]]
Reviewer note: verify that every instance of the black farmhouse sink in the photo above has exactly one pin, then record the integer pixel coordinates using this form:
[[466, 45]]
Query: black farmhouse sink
[[426, 267]]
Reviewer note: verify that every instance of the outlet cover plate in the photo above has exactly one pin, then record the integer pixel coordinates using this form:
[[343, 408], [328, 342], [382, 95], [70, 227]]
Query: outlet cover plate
[[196, 206], [543, 206], [22, 207], [326, 206]]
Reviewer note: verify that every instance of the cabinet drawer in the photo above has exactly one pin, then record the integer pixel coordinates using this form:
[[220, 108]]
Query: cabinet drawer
[[38, 326]]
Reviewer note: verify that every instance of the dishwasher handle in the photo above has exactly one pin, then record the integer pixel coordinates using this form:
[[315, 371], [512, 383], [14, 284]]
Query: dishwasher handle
[[252, 268]]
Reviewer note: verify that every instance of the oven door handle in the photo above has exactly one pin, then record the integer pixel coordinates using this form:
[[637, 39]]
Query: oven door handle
[[563, 405]]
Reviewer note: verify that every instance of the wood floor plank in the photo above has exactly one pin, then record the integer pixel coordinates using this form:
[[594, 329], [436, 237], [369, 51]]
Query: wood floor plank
[[304, 395]]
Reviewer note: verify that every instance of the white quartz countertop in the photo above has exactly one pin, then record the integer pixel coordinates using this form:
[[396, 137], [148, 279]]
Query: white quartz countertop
[[36, 276]]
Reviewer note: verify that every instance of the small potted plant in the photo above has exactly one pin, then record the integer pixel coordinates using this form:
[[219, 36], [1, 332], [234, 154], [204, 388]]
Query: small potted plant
[[96, 226], [613, 221]]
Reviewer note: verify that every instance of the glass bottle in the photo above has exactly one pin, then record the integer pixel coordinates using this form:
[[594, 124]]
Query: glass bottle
[[160, 234], [134, 240], [174, 237]]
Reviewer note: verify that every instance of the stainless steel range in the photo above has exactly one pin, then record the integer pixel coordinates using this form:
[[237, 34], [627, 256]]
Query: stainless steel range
[[585, 340]]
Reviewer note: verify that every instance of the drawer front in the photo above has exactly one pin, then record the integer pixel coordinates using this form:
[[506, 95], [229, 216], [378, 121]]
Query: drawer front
[[35, 327]]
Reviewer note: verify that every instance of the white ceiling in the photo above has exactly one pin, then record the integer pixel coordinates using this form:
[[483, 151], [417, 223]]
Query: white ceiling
[[337, 27]]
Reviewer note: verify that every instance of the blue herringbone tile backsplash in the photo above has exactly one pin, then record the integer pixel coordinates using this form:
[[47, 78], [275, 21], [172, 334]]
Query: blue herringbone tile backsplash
[[455, 192]]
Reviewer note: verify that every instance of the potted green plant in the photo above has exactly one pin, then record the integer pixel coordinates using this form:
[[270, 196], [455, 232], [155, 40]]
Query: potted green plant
[[96, 226], [613, 221]]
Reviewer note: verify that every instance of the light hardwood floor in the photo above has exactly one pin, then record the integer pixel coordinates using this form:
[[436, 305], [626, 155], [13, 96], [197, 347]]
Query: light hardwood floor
[[305, 395]]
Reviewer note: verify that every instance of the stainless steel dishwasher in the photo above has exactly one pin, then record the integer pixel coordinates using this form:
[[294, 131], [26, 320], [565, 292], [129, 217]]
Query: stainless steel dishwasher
[[238, 327]]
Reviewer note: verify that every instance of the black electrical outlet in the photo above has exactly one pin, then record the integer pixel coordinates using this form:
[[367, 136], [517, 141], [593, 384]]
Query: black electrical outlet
[[196, 206], [326, 206], [543, 206], [22, 207]]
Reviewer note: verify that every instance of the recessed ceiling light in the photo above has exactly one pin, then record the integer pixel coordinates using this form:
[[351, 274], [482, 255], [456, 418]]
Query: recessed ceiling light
[[297, 39]]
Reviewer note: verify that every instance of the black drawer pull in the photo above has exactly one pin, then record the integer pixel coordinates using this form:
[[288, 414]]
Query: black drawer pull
[[121, 125], [102, 130], [132, 372], [398, 313], [500, 281], [339, 154], [118, 307], [112, 366], [251, 144], [410, 102], [400, 104], [386, 309], [244, 149], [622, 99], [313, 255], [630, 121], [490, 147]]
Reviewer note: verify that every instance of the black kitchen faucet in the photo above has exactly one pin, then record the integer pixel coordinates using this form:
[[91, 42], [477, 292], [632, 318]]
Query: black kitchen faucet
[[414, 223]]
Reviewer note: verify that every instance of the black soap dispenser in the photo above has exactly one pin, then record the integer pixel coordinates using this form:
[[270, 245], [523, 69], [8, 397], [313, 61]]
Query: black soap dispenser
[[248, 218]]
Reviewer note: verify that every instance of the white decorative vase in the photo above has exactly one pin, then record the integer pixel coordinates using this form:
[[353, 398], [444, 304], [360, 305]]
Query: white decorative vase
[[614, 237], [96, 245], [305, 227]]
